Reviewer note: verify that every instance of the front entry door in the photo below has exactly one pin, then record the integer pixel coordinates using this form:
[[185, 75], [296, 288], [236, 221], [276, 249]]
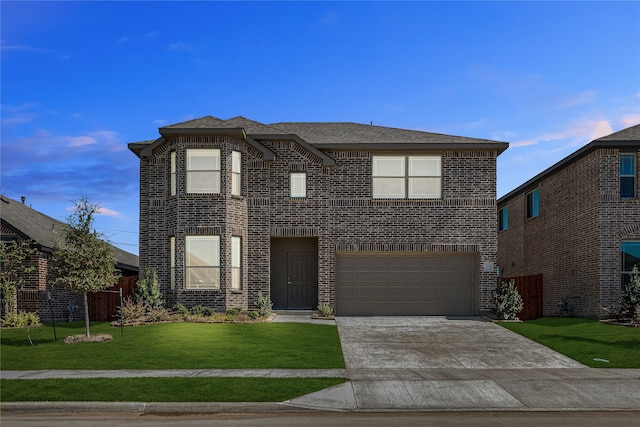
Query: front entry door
[[294, 274]]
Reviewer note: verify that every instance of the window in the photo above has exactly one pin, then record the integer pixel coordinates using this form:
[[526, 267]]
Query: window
[[202, 262], [630, 257], [533, 204], [236, 173], [627, 176], [503, 219], [298, 184], [173, 173], [203, 171], [236, 271], [406, 177], [172, 261]]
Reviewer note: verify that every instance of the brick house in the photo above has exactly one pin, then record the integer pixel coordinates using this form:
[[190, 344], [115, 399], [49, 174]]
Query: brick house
[[21, 222], [369, 219], [578, 224]]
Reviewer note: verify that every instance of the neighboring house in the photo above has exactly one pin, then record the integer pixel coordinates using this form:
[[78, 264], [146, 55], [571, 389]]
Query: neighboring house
[[21, 222], [371, 220], [578, 224]]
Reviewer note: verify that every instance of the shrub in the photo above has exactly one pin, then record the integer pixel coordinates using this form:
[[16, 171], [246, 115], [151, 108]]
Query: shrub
[[20, 320], [325, 310], [148, 289], [253, 315], [180, 309], [158, 315], [201, 310], [630, 299], [234, 311], [264, 305], [132, 311], [507, 300]]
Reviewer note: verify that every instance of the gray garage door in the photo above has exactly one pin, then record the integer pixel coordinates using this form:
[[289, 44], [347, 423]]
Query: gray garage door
[[405, 284]]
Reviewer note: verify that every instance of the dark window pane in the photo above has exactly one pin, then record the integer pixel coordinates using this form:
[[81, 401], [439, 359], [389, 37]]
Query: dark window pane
[[627, 186]]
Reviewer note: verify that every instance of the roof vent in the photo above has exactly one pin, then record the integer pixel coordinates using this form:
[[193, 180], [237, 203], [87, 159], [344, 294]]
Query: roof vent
[[24, 199]]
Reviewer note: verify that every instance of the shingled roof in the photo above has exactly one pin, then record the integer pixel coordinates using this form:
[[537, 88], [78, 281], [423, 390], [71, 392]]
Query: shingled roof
[[341, 134], [628, 138], [29, 224], [319, 135]]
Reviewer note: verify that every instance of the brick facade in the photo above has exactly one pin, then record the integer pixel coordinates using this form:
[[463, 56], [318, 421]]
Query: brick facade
[[575, 241], [339, 212]]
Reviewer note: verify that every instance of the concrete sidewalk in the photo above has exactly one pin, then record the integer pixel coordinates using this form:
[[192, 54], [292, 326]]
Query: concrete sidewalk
[[405, 364], [442, 363]]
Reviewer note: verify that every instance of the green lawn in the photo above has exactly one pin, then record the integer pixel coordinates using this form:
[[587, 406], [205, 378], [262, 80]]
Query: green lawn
[[163, 389], [590, 342], [172, 346], [176, 346]]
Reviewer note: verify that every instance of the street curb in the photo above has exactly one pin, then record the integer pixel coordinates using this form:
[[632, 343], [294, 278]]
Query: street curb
[[149, 407]]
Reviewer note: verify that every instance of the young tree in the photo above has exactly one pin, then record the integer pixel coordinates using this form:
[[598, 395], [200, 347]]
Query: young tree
[[83, 262], [13, 268]]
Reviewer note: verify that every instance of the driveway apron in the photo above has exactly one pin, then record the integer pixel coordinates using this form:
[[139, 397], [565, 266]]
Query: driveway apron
[[462, 363]]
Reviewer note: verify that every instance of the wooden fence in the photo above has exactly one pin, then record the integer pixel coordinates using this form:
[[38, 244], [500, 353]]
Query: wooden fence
[[530, 289], [103, 305]]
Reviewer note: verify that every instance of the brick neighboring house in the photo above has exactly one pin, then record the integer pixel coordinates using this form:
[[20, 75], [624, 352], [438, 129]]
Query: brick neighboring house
[[371, 220], [578, 224], [20, 222]]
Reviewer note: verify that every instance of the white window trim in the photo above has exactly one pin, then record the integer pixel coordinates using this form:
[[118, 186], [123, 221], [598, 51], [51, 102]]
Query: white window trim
[[298, 189], [214, 170], [236, 173], [407, 176], [188, 267], [236, 263]]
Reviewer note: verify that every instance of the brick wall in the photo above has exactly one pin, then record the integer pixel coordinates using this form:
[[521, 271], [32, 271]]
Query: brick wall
[[575, 241], [338, 210]]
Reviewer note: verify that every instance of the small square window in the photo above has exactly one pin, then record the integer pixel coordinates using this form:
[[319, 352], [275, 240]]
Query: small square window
[[203, 171], [298, 185]]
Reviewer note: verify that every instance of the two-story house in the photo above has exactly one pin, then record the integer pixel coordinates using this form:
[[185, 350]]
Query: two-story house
[[578, 224], [371, 220]]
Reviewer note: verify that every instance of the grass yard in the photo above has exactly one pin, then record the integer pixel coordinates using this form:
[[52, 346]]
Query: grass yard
[[590, 342], [172, 346], [163, 389], [176, 346]]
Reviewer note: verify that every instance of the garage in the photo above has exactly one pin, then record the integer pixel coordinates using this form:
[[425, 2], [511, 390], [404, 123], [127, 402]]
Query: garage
[[405, 284]]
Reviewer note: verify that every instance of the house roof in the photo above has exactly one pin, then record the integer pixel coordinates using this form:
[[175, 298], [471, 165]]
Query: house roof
[[346, 134], [28, 223], [317, 136], [628, 138]]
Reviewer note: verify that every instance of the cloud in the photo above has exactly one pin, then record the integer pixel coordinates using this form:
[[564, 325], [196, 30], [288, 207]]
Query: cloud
[[185, 47], [577, 133], [581, 98], [108, 212], [79, 141], [629, 120]]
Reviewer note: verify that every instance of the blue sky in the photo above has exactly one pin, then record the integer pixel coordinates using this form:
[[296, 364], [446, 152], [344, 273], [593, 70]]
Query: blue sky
[[80, 80]]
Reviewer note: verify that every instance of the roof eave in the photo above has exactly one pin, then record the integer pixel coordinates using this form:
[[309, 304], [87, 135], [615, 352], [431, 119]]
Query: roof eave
[[497, 146], [592, 146]]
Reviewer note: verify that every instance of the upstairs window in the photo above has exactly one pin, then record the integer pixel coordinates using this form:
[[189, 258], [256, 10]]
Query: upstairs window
[[627, 176], [533, 204], [298, 185], [172, 173], [236, 173], [407, 177], [503, 219], [202, 262], [203, 171]]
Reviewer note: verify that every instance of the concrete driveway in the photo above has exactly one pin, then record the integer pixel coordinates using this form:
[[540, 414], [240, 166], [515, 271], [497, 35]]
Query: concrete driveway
[[440, 363], [416, 343]]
